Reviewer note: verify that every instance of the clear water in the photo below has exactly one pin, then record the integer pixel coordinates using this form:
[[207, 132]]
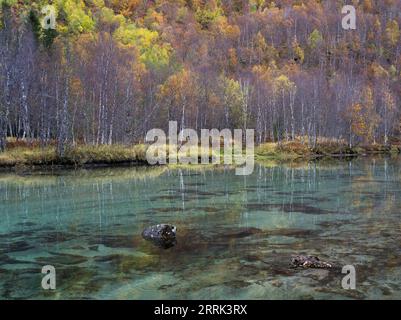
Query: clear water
[[235, 237]]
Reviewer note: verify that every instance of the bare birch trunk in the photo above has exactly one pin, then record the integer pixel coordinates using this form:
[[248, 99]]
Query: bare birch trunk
[[63, 130]]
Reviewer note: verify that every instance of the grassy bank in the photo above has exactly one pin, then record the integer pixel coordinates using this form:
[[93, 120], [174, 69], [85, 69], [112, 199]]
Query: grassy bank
[[23, 154], [76, 156], [28, 155], [298, 149]]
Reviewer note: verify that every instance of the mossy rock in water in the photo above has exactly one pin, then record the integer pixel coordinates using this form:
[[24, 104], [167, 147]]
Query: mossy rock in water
[[162, 235], [309, 262]]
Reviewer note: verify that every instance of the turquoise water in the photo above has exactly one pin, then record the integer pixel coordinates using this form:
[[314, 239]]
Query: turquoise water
[[235, 236]]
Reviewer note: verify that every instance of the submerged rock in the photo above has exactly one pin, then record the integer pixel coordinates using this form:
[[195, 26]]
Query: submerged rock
[[309, 262], [163, 235]]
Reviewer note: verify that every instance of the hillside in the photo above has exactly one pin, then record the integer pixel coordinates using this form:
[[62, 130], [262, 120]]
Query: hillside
[[112, 70]]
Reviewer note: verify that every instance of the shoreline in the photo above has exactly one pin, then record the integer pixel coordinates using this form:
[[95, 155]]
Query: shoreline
[[61, 167], [277, 157]]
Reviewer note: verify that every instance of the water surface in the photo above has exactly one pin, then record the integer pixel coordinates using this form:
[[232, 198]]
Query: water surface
[[235, 238]]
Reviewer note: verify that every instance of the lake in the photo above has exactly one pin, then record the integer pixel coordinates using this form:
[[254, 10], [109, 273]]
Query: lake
[[236, 234]]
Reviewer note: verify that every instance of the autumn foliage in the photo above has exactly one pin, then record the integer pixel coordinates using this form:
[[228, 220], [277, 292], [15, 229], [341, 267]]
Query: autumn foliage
[[112, 70]]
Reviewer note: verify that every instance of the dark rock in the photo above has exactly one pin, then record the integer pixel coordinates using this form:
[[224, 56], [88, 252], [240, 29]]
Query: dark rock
[[163, 235], [309, 262]]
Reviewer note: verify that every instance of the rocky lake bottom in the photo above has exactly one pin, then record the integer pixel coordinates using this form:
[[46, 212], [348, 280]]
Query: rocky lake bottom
[[235, 234]]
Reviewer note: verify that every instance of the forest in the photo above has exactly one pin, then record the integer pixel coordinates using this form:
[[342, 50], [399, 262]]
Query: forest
[[112, 70]]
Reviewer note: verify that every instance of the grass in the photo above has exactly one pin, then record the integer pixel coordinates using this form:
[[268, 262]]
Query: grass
[[107, 154], [27, 156], [78, 155], [21, 153], [300, 149]]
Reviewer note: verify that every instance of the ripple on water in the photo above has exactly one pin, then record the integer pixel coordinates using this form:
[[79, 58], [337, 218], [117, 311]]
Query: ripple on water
[[15, 246], [61, 259], [288, 207]]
